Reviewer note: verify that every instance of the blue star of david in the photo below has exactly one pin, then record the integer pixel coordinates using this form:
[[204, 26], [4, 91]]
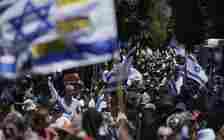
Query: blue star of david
[[41, 13], [197, 69]]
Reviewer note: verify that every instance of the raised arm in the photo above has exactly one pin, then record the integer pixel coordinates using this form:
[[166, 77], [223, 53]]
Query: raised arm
[[54, 94]]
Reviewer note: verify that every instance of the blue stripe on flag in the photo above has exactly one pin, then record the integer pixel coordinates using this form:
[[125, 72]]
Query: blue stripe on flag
[[7, 68], [100, 48], [52, 58], [195, 77]]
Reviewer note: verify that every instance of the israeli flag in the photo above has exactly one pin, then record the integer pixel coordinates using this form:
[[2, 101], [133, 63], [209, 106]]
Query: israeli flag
[[121, 71], [114, 80], [60, 35], [122, 74], [195, 71], [191, 70], [26, 20], [134, 75], [116, 77]]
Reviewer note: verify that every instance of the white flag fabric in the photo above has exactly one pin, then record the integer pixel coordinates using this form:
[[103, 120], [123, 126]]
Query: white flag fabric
[[90, 20], [5, 4]]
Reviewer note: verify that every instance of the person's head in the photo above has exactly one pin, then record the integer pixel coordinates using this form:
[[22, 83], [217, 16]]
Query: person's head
[[72, 90], [166, 103], [220, 134], [14, 126], [66, 134], [69, 90], [180, 107], [40, 119], [73, 84], [91, 122], [164, 133]]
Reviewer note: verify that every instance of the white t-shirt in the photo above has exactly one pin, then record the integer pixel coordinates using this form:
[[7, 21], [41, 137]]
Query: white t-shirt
[[71, 109]]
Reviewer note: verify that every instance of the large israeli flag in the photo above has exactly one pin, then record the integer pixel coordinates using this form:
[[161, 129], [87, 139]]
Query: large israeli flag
[[60, 34]]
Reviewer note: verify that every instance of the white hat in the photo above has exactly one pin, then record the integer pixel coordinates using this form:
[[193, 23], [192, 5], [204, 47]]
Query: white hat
[[206, 134]]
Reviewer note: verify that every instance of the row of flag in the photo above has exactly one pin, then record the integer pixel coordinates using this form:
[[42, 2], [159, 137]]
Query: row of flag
[[57, 34]]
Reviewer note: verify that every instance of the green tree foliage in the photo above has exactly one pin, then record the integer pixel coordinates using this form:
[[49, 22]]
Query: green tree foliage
[[159, 22], [157, 12]]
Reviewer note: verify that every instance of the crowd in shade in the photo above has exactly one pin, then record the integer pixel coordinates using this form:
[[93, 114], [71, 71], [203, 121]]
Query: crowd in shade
[[126, 106]]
